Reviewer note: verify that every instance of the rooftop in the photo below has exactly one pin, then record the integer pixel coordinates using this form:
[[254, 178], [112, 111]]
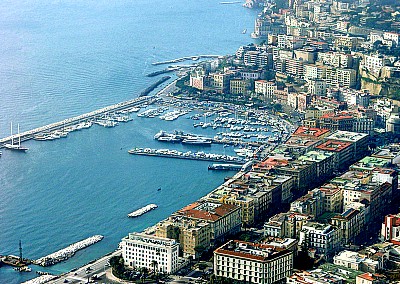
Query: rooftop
[[251, 251], [314, 133], [347, 136], [333, 145]]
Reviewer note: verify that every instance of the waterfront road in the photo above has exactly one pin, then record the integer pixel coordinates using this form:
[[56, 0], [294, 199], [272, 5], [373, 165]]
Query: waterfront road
[[85, 273]]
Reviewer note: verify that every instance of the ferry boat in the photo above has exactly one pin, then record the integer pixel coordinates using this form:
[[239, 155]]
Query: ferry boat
[[142, 210]]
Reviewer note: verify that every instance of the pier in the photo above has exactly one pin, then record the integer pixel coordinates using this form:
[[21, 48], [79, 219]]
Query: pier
[[199, 156], [27, 135]]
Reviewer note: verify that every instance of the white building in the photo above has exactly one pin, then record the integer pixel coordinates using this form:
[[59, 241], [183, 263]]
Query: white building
[[253, 263], [356, 261], [265, 88], [141, 250], [325, 239]]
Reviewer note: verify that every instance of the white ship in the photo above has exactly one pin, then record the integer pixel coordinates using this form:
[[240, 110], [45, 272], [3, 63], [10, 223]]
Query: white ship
[[142, 210]]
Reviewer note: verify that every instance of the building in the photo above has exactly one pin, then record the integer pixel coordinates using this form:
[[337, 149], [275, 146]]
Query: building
[[317, 276], [359, 141], [194, 236], [239, 86], [325, 162], [253, 263], [391, 229], [356, 261], [351, 224], [343, 150], [265, 88], [141, 250], [224, 219], [323, 238], [371, 278]]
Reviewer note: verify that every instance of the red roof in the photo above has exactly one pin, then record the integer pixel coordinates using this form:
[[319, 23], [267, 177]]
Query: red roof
[[310, 132], [333, 145], [218, 212]]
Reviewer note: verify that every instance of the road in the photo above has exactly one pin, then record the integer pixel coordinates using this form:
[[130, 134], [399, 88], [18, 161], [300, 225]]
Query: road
[[98, 267]]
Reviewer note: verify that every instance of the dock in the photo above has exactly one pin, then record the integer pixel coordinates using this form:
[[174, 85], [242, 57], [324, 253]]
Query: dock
[[198, 156], [27, 135]]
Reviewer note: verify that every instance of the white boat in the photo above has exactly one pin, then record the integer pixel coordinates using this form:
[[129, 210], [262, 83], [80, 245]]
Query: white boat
[[142, 210], [16, 147], [197, 141]]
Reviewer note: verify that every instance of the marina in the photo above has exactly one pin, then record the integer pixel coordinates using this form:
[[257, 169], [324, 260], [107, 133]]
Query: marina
[[67, 252], [143, 210], [199, 156]]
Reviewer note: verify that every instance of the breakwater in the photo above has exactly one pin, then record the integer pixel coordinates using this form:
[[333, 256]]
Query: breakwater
[[181, 59], [67, 252], [27, 135], [155, 85]]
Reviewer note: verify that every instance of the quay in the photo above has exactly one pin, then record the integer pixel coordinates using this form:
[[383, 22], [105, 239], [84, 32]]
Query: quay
[[185, 58], [199, 156], [27, 135], [67, 252]]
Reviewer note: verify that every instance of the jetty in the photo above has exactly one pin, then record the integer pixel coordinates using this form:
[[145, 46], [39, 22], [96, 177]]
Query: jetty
[[27, 135], [197, 57], [67, 252], [199, 156]]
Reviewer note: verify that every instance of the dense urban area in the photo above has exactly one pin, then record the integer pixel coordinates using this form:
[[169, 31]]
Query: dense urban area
[[318, 205]]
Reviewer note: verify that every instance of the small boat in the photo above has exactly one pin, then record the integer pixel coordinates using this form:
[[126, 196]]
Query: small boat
[[244, 31], [159, 189]]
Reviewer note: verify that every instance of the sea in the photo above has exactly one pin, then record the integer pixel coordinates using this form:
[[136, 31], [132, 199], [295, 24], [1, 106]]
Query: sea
[[61, 58]]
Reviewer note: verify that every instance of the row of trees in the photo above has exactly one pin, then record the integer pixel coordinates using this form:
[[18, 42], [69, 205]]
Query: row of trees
[[142, 274]]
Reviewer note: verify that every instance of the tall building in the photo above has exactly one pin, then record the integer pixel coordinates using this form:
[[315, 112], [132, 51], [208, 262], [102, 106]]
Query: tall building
[[141, 250]]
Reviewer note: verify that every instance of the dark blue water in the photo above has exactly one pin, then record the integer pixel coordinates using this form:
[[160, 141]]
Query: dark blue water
[[63, 58]]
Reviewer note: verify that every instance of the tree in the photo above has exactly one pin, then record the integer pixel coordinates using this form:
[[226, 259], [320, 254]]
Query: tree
[[202, 266], [154, 264]]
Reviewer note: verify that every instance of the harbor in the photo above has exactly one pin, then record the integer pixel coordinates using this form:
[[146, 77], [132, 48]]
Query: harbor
[[199, 156], [67, 252]]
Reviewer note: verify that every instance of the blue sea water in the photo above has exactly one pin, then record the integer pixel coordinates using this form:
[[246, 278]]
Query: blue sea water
[[62, 58]]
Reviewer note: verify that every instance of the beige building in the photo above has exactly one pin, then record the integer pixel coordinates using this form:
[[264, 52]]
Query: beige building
[[194, 236]]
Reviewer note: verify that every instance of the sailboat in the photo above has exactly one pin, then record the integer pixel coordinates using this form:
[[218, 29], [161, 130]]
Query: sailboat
[[13, 146]]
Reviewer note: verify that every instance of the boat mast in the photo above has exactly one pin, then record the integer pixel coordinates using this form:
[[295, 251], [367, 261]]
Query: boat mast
[[12, 138], [19, 137], [20, 250]]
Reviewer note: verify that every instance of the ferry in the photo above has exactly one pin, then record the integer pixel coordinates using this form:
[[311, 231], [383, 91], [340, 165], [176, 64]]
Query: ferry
[[142, 210]]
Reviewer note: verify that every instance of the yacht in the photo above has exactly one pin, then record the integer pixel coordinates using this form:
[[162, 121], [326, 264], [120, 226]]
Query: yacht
[[197, 141], [16, 147]]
